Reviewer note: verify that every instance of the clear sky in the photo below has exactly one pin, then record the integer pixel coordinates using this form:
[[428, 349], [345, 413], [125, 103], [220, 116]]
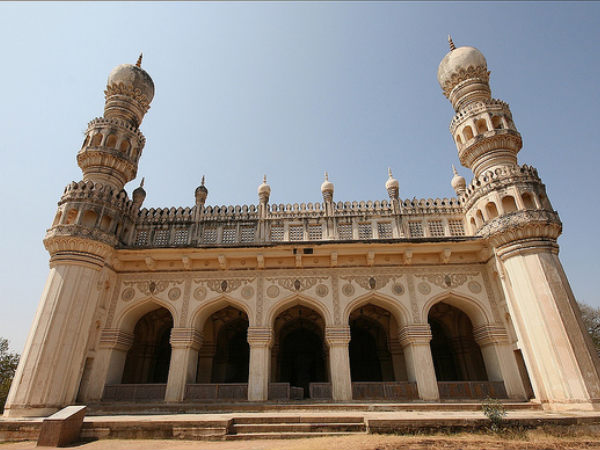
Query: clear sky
[[290, 90]]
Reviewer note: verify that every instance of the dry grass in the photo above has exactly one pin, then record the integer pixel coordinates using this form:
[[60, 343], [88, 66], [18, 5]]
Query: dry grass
[[548, 438]]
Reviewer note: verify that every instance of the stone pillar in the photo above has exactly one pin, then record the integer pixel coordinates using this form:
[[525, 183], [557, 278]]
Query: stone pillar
[[259, 339], [415, 341], [49, 372], [110, 362], [564, 368], [499, 360], [339, 362], [185, 343]]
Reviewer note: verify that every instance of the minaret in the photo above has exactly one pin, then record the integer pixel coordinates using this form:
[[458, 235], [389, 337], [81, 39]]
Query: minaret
[[264, 193], [507, 205], [327, 192], [113, 143], [93, 215]]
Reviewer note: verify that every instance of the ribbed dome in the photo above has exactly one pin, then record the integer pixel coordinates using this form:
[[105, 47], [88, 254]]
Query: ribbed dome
[[459, 59], [264, 188], [391, 183], [327, 185], [458, 182], [134, 77]]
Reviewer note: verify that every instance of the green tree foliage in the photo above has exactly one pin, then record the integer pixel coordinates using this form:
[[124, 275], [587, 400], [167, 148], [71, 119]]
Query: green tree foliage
[[8, 366], [591, 321]]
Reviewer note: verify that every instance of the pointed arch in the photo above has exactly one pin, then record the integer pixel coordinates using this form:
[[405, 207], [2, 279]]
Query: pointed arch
[[477, 311], [130, 316], [205, 311], [397, 309], [294, 300]]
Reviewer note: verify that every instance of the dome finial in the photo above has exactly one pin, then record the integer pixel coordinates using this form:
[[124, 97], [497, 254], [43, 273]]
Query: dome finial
[[452, 46], [454, 170], [326, 176], [390, 172], [139, 61], [264, 178], [142, 182], [202, 182]]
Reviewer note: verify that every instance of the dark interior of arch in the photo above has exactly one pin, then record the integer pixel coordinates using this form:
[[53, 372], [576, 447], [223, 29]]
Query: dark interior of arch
[[149, 357], [456, 355], [301, 354], [232, 353], [367, 349]]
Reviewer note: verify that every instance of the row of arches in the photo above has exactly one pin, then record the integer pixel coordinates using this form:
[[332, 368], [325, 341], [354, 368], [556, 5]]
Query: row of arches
[[88, 218], [479, 126], [121, 143], [299, 350], [508, 203]]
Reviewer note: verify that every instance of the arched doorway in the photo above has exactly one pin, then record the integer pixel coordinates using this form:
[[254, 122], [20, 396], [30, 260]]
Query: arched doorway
[[225, 354], [370, 358], [456, 355], [299, 353], [149, 357]]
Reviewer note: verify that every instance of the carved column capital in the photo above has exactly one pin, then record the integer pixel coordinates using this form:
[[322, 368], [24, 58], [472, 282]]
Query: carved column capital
[[337, 335], [260, 336], [414, 334], [116, 339], [490, 334], [186, 338]]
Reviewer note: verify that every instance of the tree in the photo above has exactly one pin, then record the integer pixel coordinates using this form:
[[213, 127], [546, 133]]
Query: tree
[[591, 321], [8, 366]]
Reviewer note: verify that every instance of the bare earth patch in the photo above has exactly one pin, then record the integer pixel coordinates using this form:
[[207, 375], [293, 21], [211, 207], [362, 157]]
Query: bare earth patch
[[533, 440]]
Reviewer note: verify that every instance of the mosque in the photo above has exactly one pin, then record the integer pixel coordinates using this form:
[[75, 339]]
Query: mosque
[[390, 300]]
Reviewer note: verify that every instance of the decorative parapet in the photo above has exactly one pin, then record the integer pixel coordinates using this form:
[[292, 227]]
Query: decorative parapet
[[491, 105], [98, 193], [305, 222], [522, 225], [497, 179]]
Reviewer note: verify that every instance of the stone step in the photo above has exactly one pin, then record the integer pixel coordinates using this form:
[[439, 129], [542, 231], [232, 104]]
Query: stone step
[[298, 419], [114, 408], [314, 427], [287, 435]]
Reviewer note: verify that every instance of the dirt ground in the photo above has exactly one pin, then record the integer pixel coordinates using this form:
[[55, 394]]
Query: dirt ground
[[533, 440]]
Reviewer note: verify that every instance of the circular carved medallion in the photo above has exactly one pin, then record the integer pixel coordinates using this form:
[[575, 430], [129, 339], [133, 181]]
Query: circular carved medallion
[[398, 289], [247, 291], [273, 291], [174, 293], [474, 287], [348, 290], [322, 290], [424, 288], [200, 293], [127, 294]]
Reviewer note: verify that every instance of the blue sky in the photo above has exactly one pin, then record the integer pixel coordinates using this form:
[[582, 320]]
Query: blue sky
[[291, 90]]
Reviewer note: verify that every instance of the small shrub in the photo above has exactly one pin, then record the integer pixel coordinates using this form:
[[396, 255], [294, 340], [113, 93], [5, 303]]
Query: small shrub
[[494, 410]]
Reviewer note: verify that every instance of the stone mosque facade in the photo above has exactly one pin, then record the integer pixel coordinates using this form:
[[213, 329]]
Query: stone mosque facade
[[393, 300]]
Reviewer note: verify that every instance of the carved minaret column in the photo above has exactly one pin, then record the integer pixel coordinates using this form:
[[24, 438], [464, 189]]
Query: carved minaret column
[[264, 192], [200, 194], [327, 191], [507, 204], [91, 218], [392, 187]]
